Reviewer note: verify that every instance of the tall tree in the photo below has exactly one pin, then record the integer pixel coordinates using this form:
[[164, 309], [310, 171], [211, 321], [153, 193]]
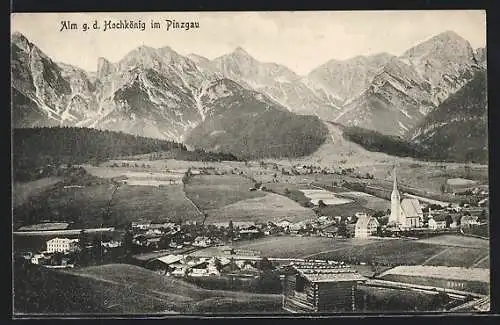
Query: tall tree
[[342, 230]]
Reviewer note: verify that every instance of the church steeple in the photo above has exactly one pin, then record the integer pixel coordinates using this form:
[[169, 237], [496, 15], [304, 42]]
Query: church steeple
[[395, 184], [395, 216]]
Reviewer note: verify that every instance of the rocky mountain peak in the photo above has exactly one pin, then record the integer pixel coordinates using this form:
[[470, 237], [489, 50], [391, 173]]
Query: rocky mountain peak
[[20, 41], [240, 55], [240, 51], [445, 46]]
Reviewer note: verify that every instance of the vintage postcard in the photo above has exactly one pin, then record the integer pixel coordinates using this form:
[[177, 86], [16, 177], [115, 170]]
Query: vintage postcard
[[205, 163]]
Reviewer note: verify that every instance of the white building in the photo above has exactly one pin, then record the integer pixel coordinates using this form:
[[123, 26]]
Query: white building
[[365, 226], [111, 244], [202, 241], [62, 245], [436, 222], [283, 223], [38, 258]]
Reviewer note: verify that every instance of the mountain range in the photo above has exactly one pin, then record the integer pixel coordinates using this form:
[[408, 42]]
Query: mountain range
[[161, 94]]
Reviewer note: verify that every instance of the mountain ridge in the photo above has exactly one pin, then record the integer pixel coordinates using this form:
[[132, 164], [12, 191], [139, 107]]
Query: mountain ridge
[[157, 92]]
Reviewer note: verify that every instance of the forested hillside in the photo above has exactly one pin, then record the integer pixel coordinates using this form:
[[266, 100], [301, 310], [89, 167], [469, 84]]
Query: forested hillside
[[376, 141], [458, 129], [251, 125], [36, 151]]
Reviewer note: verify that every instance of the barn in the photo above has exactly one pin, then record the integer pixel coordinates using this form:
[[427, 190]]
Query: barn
[[311, 287]]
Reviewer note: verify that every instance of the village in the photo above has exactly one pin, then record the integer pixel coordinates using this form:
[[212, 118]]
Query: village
[[219, 255]]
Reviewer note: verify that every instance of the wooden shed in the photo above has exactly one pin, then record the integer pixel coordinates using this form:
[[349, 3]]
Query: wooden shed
[[310, 287]]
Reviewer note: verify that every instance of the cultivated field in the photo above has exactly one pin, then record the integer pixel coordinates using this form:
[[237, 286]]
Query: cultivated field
[[426, 175], [299, 247], [45, 226], [367, 200], [87, 206], [215, 191], [432, 251], [325, 196], [457, 256], [459, 241], [346, 202], [383, 251], [271, 207], [484, 263], [386, 252]]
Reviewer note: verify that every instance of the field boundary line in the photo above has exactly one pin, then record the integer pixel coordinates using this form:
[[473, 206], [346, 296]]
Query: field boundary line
[[436, 255], [480, 260], [190, 201]]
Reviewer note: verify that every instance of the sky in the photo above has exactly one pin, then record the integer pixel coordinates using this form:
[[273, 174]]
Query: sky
[[299, 40]]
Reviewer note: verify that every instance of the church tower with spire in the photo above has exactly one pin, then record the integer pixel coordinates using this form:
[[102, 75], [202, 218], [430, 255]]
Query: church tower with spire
[[395, 216]]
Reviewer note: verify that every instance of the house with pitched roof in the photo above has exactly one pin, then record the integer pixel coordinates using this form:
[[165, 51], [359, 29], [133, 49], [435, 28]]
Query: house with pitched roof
[[365, 226], [320, 286]]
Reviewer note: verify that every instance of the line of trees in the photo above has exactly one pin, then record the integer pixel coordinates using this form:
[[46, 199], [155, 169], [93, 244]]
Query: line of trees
[[38, 152]]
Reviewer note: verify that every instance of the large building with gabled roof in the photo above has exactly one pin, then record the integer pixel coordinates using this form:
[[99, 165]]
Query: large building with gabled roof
[[366, 226]]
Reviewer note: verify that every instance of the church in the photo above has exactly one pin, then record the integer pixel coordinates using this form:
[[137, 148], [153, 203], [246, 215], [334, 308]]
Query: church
[[406, 213]]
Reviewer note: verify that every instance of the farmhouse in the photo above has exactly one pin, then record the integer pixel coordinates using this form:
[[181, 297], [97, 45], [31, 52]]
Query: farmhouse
[[319, 287], [165, 263], [283, 223], [436, 222], [62, 245], [270, 230], [141, 225], [39, 259], [365, 226], [467, 221], [329, 231], [250, 232], [202, 241], [164, 225]]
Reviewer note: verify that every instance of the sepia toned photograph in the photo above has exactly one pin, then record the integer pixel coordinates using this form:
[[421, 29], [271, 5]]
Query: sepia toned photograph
[[264, 163]]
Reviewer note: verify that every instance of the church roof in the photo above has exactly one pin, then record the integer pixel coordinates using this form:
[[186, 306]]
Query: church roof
[[411, 207]]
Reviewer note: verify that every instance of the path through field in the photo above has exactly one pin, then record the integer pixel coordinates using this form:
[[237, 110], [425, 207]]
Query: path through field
[[192, 203]]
